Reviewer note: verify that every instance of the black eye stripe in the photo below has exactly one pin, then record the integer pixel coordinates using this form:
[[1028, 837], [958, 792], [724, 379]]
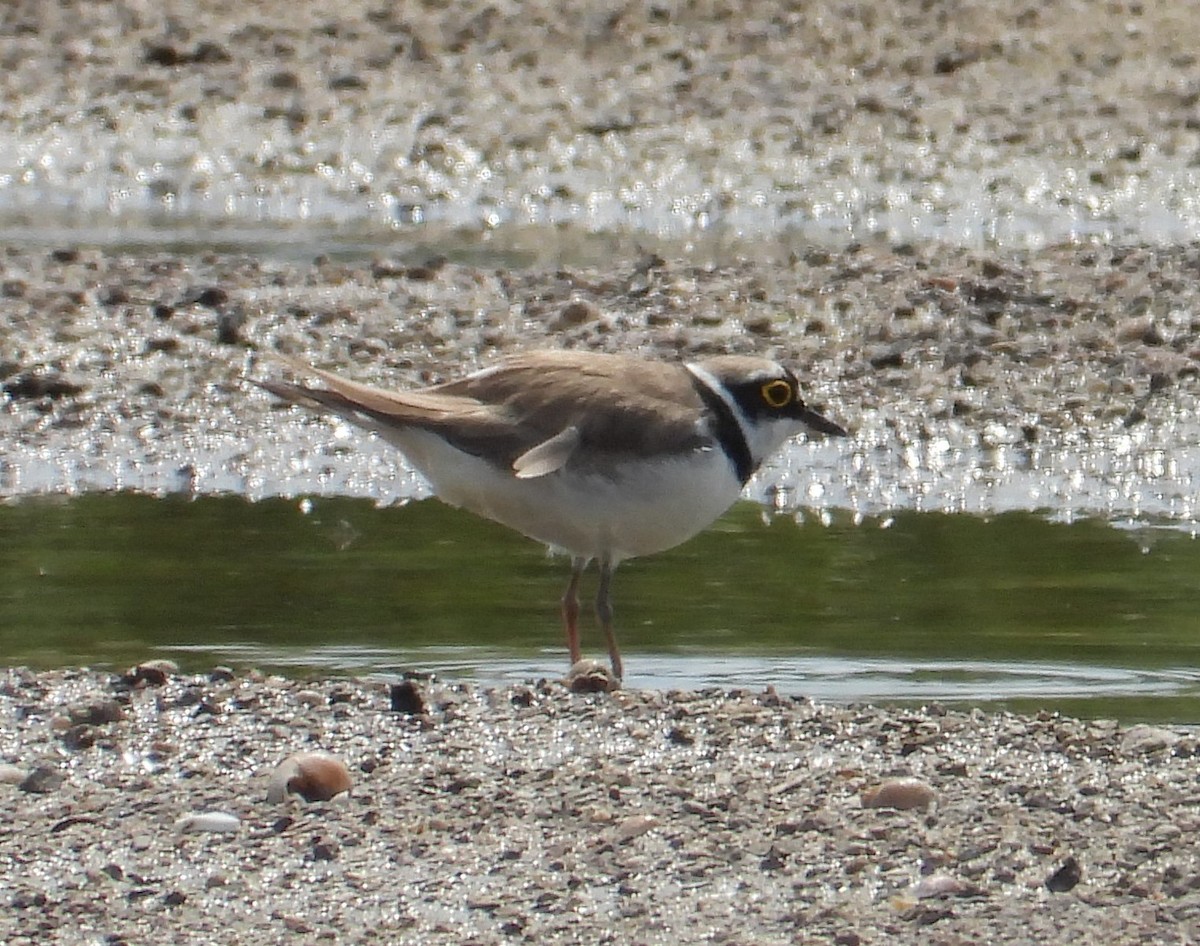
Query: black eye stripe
[[752, 398]]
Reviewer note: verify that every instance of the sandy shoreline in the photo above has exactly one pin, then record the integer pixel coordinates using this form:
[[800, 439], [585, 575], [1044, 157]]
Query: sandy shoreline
[[530, 814]]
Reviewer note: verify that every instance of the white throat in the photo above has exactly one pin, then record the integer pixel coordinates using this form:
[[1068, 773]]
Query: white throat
[[762, 437]]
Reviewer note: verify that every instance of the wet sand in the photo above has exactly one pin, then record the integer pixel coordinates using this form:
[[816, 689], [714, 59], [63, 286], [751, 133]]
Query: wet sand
[[958, 121], [1062, 379], [138, 811]]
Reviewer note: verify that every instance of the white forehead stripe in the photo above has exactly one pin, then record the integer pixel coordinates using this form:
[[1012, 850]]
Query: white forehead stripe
[[709, 380]]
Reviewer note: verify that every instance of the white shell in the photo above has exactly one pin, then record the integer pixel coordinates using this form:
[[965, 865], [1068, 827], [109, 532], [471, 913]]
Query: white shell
[[220, 821]]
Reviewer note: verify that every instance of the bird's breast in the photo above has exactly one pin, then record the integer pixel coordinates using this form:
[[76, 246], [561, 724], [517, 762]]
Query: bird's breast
[[627, 508]]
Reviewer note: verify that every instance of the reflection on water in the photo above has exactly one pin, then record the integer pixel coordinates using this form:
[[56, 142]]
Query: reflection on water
[[1142, 693], [917, 607]]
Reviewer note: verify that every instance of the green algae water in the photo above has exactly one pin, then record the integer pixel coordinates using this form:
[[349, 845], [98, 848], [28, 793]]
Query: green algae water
[[1014, 611]]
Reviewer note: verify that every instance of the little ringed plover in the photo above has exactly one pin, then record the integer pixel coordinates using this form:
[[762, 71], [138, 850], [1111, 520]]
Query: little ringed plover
[[602, 456]]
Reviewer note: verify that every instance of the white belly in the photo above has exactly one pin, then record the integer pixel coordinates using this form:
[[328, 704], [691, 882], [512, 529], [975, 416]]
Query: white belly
[[652, 507]]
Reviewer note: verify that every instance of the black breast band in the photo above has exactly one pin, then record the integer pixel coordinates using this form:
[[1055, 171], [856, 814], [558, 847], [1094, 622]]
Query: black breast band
[[727, 430]]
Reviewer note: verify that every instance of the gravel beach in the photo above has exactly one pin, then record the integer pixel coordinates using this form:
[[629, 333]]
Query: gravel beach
[[138, 813], [970, 228]]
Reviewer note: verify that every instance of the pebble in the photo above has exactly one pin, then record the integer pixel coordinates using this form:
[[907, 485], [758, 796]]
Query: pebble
[[41, 780], [311, 698], [406, 698], [634, 827], [97, 713], [531, 801], [1066, 877], [151, 673], [900, 793], [939, 885], [1142, 739]]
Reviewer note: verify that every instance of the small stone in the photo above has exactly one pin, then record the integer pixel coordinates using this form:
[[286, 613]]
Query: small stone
[[886, 356], [284, 80], [96, 714], [344, 82], [575, 313], [212, 297], [1066, 877], [163, 54], [406, 698], [207, 52], [761, 325], [522, 697], [229, 326], [36, 386], [314, 776], [80, 737], [42, 780], [940, 886], [900, 793], [427, 271], [634, 827], [323, 850], [151, 673], [1143, 739], [113, 295]]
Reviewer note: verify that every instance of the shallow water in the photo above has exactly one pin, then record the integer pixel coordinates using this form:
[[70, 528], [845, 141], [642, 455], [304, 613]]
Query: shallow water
[[1011, 610]]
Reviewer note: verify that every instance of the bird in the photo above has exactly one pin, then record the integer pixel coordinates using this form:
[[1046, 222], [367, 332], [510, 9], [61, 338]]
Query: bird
[[602, 456]]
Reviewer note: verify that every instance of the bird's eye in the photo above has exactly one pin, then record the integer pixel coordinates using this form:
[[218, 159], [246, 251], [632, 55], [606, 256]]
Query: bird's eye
[[777, 394]]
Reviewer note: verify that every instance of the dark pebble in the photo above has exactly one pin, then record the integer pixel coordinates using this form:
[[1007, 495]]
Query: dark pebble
[[78, 738], [33, 386], [1066, 877], [211, 296], [42, 780], [406, 698], [97, 713]]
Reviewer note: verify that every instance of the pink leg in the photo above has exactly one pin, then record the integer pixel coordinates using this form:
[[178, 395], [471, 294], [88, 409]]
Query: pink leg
[[604, 613], [570, 610]]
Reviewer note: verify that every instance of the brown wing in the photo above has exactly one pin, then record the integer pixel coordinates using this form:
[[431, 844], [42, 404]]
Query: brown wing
[[618, 406]]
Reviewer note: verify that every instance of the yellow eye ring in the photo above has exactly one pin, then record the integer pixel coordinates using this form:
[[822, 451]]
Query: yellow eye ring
[[777, 394]]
